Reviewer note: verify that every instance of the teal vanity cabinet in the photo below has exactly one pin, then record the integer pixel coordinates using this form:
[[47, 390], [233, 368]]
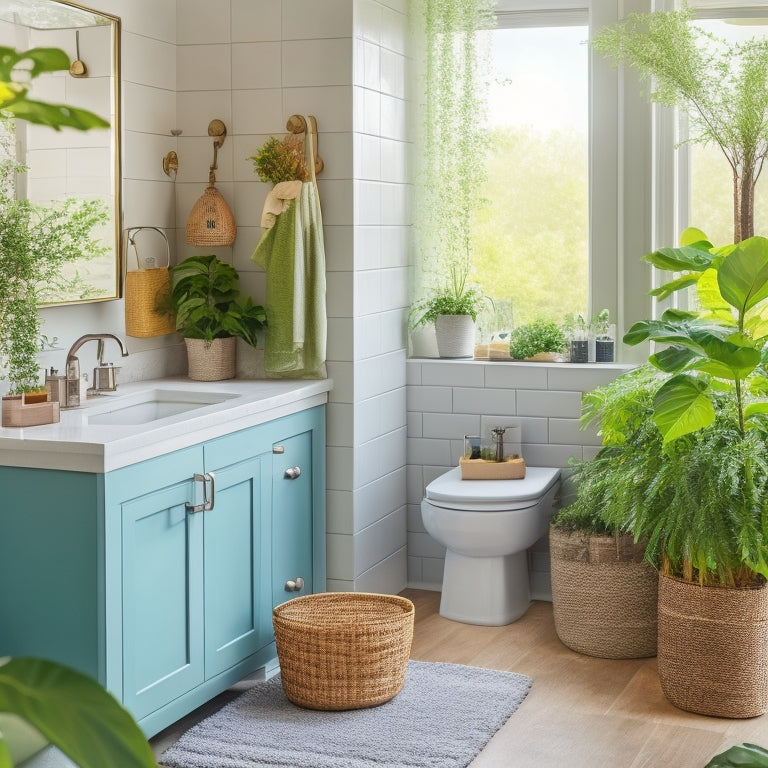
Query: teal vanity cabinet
[[159, 578]]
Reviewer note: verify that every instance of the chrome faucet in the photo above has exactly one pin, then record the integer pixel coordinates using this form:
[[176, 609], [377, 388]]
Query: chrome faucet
[[101, 374]]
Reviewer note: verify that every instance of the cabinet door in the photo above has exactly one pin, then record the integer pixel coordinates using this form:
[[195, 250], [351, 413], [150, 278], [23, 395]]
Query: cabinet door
[[235, 626], [162, 546], [292, 517]]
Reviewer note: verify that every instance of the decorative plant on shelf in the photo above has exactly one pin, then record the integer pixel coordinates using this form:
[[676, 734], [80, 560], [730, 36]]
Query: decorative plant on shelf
[[541, 339], [451, 151], [281, 160], [211, 313], [704, 507], [35, 242], [723, 88]]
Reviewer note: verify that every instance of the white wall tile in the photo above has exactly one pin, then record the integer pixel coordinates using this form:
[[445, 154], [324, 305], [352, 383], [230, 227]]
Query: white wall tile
[[415, 424], [394, 29], [424, 451], [379, 540], [340, 338], [367, 20], [380, 498], [203, 21], [442, 373], [583, 378], [340, 512], [339, 294], [475, 400], [432, 571], [342, 374], [450, 426], [258, 111], [549, 403], [317, 62], [339, 247], [340, 556], [379, 457], [386, 577], [341, 424], [308, 19], [367, 162], [367, 111], [196, 108], [550, 455], [330, 104], [569, 432], [516, 376], [256, 65], [148, 110], [394, 123], [339, 468], [336, 201], [204, 67], [148, 62], [256, 20], [430, 398], [423, 545], [392, 74]]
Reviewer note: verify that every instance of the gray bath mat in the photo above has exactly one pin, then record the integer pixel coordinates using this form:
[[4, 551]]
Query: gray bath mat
[[444, 716]]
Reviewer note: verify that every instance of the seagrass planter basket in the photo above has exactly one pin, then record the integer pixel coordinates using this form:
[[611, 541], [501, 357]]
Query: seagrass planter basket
[[713, 648], [214, 360], [604, 595], [343, 650]]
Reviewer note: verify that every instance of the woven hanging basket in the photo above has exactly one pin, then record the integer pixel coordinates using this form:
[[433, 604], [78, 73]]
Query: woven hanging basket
[[713, 648], [343, 650], [211, 222], [211, 360], [604, 596]]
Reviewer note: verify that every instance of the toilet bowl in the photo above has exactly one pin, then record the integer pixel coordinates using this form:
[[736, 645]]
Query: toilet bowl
[[486, 527]]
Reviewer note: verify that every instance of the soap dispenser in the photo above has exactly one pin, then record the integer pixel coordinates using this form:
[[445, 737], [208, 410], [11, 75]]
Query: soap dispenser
[[56, 386]]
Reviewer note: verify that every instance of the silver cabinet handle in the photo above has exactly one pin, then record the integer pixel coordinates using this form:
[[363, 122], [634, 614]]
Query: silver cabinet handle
[[207, 502], [278, 449], [292, 472], [294, 586]]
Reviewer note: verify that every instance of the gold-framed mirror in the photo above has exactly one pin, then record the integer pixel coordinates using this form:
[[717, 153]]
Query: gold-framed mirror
[[68, 164]]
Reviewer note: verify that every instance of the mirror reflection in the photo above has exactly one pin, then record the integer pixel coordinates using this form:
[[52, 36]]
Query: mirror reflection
[[67, 169]]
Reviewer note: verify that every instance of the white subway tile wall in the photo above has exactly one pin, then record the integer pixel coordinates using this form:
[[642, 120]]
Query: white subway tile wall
[[447, 400]]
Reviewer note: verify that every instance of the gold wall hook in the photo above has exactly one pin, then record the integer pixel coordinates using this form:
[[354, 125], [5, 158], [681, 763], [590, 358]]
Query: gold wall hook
[[298, 124], [171, 164]]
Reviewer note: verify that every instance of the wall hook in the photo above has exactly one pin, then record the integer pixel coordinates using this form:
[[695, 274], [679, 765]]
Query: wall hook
[[298, 124]]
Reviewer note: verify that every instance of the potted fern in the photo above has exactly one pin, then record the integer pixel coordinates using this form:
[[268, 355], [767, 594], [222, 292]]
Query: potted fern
[[603, 590], [211, 314], [539, 341], [704, 507], [453, 307]]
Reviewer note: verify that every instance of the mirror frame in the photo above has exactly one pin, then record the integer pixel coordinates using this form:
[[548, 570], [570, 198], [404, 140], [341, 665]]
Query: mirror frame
[[115, 118]]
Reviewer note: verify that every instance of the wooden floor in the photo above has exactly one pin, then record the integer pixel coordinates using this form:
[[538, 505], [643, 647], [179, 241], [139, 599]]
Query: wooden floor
[[581, 712]]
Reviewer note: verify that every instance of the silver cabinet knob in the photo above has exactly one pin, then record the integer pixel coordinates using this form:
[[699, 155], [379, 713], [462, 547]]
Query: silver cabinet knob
[[294, 586], [292, 472]]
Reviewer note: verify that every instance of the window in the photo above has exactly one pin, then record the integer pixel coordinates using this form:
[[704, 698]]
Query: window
[[530, 239]]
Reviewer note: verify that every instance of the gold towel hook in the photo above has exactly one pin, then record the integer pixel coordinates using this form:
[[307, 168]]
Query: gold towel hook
[[218, 131], [298, 124]]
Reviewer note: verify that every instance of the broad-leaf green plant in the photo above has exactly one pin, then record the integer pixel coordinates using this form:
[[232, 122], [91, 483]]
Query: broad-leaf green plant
[[72, 711], [539, 336], [741, 756], [706, 510], [723, 88], [208, 304]]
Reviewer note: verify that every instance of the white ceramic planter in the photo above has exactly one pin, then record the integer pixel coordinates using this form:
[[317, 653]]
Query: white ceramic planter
[[455, 335]]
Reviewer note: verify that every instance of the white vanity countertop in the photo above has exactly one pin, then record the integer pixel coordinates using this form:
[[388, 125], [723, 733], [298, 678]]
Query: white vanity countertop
[[75, 444]]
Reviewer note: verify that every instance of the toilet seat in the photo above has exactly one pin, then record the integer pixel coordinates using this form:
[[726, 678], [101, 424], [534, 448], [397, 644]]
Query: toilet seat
[[451, 492]]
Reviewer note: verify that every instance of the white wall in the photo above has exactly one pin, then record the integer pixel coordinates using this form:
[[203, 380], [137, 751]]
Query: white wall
[[447, 400]]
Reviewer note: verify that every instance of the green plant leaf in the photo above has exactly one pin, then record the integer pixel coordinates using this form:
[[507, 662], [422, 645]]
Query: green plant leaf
[[693, 236], [680, 259], [5, 755], [680, 407], [678, 284], [74, 712], [708, 291], [756, 322], [673, 359], [756, 408], [741, 756], [743, 275]]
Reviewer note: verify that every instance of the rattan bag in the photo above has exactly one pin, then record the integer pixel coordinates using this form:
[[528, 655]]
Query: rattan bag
[[145, 290]]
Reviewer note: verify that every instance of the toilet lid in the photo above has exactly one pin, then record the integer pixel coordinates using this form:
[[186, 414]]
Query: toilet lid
[[449, 490]]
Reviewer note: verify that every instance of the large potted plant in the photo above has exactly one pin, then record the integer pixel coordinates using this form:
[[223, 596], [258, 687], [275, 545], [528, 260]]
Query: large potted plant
[[604, 592], [705, 508], [453, 308], [211, 314]]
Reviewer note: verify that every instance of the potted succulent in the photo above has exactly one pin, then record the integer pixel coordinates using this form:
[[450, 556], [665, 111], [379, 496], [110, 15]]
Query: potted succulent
[[704, 507], [604, 593], [540, 341], [453, 308], [211, 314]]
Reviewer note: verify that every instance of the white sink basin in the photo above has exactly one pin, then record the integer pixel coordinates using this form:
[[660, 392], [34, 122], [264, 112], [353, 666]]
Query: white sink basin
[[154, 404]]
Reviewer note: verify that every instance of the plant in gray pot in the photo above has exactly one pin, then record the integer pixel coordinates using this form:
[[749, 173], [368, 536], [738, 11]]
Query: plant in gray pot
[[453, 308], [704, 506], [604, 593], [211, 314]]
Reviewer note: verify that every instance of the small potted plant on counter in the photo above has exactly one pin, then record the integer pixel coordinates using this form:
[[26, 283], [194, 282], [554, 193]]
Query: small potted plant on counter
[[604, 341], [211, 314], [579, 343], [539, 341]]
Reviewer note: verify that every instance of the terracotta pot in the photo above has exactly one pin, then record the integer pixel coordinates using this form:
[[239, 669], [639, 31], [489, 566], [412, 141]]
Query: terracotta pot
[[713, 648], [603, 595]]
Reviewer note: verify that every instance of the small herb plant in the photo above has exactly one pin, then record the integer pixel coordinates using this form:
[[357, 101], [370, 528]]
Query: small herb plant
[[538, 336], [280, 160], [208, 303], [453, 298], [600, 324]]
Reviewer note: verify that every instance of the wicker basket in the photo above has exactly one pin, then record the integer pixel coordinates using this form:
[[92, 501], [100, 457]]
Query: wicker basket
[[604, 596], [211, 222], [713, 648], [211, 360], [343, 650]]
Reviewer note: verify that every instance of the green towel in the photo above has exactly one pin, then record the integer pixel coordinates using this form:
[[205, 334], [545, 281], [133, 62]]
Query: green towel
[[293, 254]]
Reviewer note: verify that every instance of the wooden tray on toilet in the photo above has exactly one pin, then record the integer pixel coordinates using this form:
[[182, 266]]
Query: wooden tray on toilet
[[480, 469]]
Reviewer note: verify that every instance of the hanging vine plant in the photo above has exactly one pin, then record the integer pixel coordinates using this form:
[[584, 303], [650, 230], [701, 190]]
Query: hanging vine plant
[[451, 150]]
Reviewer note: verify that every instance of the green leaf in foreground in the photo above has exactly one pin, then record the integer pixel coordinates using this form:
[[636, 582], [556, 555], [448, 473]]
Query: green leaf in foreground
[[741, 756], [681, 407], [75, 713]]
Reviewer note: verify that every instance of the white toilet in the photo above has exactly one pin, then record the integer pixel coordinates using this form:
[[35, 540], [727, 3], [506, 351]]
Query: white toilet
[[486, 527]]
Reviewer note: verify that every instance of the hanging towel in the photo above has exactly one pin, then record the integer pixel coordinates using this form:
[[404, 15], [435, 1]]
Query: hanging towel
[[277, 201], [293, 254]]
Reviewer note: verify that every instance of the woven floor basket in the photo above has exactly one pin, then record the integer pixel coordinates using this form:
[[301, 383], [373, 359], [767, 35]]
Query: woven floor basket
[[211, 360], [343, 650], [604, 596], [713, 648]]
